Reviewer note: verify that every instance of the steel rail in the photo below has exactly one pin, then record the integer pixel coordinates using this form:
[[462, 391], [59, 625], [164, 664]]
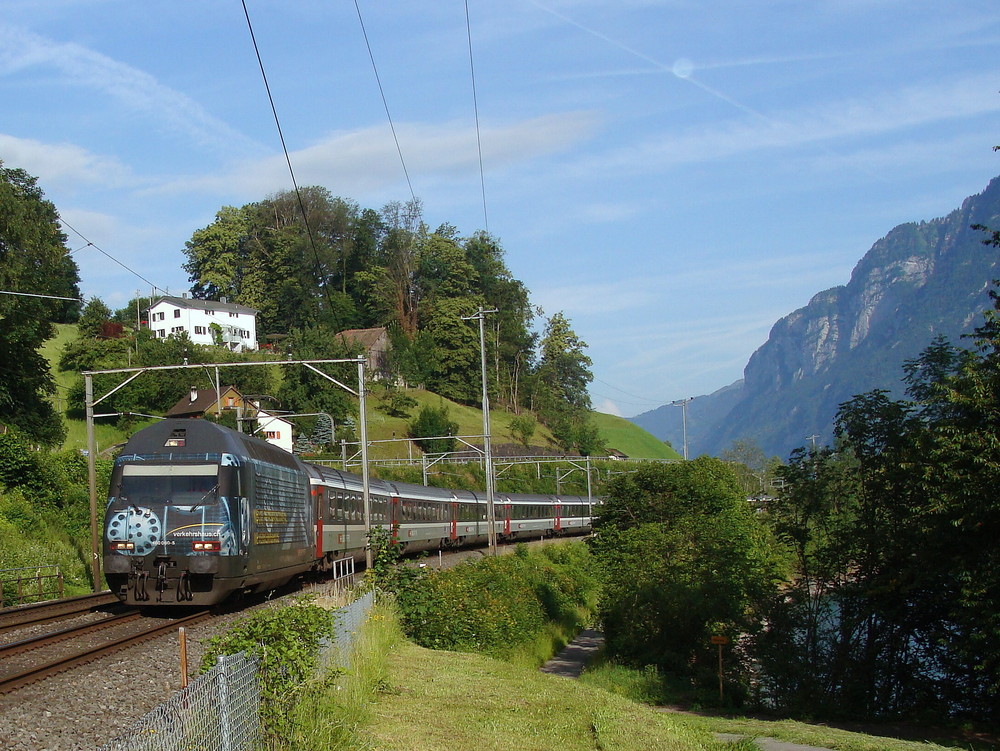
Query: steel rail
[[52, 610], [37, 673], [54, 637]]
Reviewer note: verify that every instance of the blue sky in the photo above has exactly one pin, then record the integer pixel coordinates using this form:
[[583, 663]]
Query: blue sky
[[673, 176]]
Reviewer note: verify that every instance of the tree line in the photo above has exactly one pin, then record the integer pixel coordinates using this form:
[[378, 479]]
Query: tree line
[[312, 265], [311, 261]]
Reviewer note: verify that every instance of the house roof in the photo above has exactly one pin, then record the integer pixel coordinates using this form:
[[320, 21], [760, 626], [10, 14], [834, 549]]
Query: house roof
[[204, 400], [367, 338], [186, 302]]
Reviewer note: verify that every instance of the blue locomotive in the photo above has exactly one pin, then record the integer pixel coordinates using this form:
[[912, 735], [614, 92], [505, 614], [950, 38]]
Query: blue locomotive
[[197, 512]]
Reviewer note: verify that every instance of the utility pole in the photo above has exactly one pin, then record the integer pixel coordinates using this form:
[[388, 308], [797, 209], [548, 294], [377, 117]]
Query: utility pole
[[487, 449], [683, 404]]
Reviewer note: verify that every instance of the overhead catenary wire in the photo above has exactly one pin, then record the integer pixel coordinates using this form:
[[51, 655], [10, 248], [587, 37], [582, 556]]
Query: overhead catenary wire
[[385, 103], [288, 159], [475, 104], [91, 244]]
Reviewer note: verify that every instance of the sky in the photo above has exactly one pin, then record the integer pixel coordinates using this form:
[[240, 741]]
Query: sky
[[673, 176]]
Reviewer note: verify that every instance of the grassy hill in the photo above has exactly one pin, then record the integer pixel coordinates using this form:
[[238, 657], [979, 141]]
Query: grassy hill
[[385, 431]]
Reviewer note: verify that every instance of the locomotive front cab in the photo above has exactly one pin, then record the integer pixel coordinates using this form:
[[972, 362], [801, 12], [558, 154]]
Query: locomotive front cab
[[172, 528]]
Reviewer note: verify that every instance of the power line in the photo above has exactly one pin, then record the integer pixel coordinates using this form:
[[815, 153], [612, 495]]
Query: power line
[[475, 104], [384, 102], [288, 159], [47, 297], [91, 244]]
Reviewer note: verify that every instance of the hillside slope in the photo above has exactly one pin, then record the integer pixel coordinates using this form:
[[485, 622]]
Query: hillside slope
[[386, 430]]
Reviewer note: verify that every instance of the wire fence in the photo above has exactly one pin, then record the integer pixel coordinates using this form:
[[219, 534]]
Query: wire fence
[[219, 711]]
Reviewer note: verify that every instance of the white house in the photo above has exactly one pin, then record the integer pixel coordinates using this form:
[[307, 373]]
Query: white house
[[275, 430], [235, 325]]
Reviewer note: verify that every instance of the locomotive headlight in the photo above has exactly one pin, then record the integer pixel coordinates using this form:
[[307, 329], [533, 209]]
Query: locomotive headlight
[[125, 546], [211, 546]]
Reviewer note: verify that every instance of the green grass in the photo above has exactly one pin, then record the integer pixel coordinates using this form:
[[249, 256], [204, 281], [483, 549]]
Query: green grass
[[450, 700], [631, 440], [646, 687]]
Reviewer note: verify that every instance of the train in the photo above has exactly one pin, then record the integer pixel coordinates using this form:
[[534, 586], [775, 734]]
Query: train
[[198, 513]]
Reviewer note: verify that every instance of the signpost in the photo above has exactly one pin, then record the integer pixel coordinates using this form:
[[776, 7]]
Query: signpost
[[719, 640]]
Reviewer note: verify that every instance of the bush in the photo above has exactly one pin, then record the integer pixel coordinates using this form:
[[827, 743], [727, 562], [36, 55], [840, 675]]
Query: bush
[[500, 605], [286, 640], [433, 422]]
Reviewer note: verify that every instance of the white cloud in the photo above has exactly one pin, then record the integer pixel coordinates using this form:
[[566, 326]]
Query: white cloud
[[366, 160], [136, 90], [62, 164], [848, 118], [608, 407]]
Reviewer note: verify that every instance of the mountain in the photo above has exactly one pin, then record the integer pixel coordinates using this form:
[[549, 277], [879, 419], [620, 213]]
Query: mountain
[[920, 281]]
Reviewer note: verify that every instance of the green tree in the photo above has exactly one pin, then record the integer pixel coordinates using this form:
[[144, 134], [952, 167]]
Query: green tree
[[522, 428], [435, 424], [95, 315], [684, 558], [34, 259]]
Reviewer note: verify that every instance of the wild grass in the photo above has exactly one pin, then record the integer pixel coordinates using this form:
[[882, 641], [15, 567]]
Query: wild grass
[[334, 710], [648, 687]]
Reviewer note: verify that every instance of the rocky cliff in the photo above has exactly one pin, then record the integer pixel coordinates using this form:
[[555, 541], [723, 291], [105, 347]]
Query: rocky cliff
[[919, 281]]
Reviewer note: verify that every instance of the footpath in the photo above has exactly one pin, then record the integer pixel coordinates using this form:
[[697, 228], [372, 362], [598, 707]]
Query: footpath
[[574, 658]]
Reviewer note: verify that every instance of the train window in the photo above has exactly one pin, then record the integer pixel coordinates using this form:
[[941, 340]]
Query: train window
[[177, 484]]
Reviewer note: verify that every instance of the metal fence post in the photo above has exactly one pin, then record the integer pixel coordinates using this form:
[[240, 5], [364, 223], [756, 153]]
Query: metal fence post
[[225, 731]]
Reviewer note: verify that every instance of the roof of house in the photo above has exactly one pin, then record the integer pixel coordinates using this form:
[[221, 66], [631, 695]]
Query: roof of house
[[187, 302], [365, 337], [204, 400]]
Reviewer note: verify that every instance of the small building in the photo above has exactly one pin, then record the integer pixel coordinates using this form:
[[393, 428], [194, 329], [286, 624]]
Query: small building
[[200, 402], [271, 427], [275, 430], [205, 321], [374, 345]]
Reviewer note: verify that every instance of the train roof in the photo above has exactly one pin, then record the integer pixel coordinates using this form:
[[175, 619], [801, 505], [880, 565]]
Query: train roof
[[175, 438]]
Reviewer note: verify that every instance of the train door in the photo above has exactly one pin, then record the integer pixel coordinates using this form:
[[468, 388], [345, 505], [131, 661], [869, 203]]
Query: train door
[[506, 518], [395, 514], [319, 501], [453, 534], [558, 512]]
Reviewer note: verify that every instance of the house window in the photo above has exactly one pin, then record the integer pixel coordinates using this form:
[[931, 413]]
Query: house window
[[233, 315], [210, 312], [176, 329], [199, 330], [177, 313], [273, 435], [230, 401], [162, 333]]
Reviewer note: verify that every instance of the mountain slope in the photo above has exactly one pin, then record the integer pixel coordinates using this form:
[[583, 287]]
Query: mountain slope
[[920, 281]]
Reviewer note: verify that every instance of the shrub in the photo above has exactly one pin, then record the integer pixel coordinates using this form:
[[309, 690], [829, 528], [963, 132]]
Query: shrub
[[286, 640], [499, 605]]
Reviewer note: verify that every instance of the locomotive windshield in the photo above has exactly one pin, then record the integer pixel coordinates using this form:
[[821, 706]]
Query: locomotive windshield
[[174, 484]]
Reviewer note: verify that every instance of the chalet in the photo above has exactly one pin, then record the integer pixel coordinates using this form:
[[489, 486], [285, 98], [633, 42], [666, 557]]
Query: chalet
[[200, 402], [374, 345], [205, 321]]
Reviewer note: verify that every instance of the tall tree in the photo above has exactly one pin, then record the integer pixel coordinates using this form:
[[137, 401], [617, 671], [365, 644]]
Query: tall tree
[[560, 394], [34, 259]]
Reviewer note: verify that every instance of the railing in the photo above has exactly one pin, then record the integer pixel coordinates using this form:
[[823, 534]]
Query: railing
[[219, 711], [32, 584]]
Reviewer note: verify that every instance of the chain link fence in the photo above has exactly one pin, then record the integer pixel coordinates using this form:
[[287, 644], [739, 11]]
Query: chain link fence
[[218, 711]]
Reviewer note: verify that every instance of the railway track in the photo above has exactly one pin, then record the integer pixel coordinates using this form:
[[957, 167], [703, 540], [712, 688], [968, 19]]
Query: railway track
[[32, 659], [15, 618]]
